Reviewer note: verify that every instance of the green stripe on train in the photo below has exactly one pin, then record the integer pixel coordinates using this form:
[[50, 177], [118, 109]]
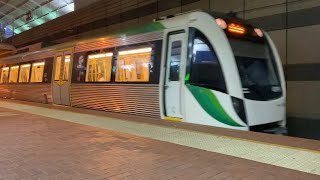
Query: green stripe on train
[[209, 102]]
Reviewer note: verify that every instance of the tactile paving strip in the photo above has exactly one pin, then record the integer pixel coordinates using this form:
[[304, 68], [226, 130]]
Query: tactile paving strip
[[292, 158]]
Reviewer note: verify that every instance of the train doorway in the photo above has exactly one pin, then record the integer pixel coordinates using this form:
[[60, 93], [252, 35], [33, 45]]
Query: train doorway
[[62, 78], [176, 56]]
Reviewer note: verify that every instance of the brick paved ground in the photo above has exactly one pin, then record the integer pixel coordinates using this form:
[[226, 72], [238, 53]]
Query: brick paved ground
[[35, 147]]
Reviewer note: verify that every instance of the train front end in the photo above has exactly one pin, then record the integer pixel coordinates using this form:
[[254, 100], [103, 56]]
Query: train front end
[[260, 71]]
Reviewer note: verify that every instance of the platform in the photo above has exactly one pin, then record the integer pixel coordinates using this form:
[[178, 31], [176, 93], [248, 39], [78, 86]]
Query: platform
[[49, 142]]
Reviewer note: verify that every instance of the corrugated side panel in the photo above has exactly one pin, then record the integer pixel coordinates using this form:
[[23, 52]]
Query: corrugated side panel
[[27, 92], [136, 99], [146, 37]]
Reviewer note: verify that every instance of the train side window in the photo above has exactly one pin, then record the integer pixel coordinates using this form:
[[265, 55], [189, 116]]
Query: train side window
[[205, 67], [66, 68], [99, 67], [24, 73], [134, 65], [4, 75], [13, 77], [175, 59], [57, 68], [37, 72]]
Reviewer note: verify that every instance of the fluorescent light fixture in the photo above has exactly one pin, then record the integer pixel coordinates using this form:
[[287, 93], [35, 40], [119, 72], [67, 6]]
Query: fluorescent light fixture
[[26, 65], [96, 56], [135, 51], [38, 64], [15, 67]]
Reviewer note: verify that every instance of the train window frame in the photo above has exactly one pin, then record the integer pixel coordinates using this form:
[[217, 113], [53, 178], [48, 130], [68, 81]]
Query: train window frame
[[67, 58], [108, 53], [175, 75], [32, 65], [29, 76], [193, 33], [154, 45], [11, 71], [57, 76], [1, 80]]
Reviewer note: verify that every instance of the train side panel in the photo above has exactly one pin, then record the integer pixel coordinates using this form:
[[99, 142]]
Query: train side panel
[[40, 93]]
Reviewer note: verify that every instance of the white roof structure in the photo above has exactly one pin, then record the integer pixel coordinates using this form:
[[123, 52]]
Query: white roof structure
[[13, 13]]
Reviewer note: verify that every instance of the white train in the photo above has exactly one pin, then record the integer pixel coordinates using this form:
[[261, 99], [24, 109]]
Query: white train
[[191, 67]]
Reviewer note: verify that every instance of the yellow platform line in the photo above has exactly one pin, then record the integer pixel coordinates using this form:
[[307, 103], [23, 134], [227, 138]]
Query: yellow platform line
[[173, 119], [283, 156]]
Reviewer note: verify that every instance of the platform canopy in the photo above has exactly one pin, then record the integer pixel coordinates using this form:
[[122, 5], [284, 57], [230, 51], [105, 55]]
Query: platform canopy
[[6, 50], [17, 16]]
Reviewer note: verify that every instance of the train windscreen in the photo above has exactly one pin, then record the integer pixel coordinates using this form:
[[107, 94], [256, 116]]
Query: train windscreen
[[257, 68]]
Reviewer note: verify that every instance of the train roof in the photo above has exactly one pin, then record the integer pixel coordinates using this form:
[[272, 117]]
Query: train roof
[[150, 27]]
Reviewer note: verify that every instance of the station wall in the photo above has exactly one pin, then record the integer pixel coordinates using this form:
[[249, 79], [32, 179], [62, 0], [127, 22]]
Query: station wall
[[294, 25]]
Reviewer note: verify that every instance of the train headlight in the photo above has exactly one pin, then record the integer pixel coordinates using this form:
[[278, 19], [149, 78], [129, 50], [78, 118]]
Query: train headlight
[[222, 23], [239, 108], [258, 32]]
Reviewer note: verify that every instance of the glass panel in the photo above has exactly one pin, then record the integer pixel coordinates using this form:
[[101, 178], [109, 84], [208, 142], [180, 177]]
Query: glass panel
[[14, 71], [5, 75], [175, 59], [257, 69], [133, 65], [206, 70], [24, 73], [37, 72], [66, 68], [99, 68], [57, 68]]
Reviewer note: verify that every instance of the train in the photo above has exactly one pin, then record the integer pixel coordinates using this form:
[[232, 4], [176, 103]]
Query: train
[[193, 67]]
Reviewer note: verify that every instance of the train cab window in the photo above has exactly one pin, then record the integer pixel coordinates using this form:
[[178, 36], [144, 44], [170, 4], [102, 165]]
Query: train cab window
[[205, 68], [175, 59], [99, 67], [57, 68], [24, 73], [13, 77], [134, 65], [66, 68], [37, 72], [4, 75]]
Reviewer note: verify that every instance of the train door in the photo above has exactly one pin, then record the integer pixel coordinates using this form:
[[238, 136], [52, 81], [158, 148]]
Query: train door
[[62, 78], [176, 57]]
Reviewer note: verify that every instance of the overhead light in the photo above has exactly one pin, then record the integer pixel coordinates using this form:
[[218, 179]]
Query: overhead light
[[26, 65], [135, 51], [38, 64], [96, 56], [14, 67]]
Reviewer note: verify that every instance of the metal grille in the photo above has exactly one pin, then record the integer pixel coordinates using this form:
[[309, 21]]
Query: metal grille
[[108, 43], [27, 92], [137, 99]]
